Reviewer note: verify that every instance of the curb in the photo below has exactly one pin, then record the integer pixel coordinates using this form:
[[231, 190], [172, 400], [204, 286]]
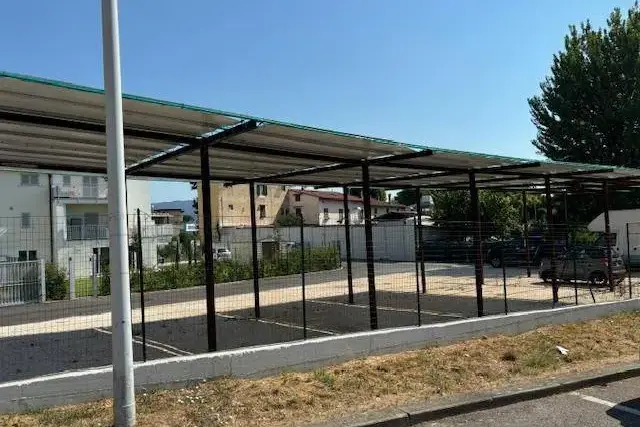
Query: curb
[[412, 414]]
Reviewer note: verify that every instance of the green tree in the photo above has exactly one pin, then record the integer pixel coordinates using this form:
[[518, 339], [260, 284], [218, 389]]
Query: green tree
[[589, 107], [500, 213], [376, 193]]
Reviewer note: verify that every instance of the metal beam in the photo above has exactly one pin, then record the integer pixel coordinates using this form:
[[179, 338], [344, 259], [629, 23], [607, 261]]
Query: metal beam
[[210, 140], [334, 167], [607, 232], [207, 249], [368, 235], [477, 242]]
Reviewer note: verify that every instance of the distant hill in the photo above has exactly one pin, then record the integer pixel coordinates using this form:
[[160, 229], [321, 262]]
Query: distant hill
[[185, 205]]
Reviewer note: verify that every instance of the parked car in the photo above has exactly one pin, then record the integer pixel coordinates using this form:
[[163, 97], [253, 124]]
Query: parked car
[[449, 250], [585, 263], [221, 254], [513, 253]]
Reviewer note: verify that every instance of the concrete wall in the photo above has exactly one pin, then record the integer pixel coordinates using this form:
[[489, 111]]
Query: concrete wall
[[393, 242], [85, 385]]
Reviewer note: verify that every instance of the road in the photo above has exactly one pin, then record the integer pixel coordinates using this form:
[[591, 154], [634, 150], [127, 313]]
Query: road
[[614, 404]]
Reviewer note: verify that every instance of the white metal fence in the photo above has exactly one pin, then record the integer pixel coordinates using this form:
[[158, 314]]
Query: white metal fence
[[22, 282]]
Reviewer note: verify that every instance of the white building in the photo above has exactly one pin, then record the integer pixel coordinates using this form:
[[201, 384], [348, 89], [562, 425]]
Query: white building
[[326, 208], [64, 219]]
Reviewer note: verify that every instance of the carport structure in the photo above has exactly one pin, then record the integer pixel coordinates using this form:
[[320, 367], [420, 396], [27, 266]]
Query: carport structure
[[57, 126]]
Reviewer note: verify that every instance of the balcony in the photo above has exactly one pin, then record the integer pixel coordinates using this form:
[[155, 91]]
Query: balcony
[[80, 191], [87, 232]]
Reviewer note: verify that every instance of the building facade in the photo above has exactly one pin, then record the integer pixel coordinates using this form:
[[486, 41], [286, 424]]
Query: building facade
[[230, 206], [64, 219], [326, 208]]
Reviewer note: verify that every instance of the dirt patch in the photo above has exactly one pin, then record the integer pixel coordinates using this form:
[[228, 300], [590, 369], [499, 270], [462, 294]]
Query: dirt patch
[[370, 383]]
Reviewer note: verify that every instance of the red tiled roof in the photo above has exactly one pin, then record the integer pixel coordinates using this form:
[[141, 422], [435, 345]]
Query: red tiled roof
[[333, 195]]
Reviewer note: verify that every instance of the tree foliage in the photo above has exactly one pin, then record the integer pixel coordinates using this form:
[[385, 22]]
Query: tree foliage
[[376, 193], [500, 213], [589, 107]]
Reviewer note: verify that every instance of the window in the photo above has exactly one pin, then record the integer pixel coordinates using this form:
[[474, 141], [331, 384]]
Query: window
[[340, 215], [89, 186], [30, 179], [261, 190], [27, 255], [66, 180], [230, 207], [297, 197], [25, 220], [375, 211], [326, 213], [263, 211], [299, 212]]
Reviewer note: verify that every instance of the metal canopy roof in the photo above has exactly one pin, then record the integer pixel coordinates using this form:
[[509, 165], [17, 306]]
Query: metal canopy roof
[[53, 125]]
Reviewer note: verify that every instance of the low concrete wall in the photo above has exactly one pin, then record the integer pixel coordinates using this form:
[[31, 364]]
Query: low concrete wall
[[260, 361]]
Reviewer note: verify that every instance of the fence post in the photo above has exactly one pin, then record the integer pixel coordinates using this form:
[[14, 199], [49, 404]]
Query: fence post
[[368, 237], [629, 261], [94, 275], [178, 251], [420, 240], [551, 240], [575, 277], [72, 280], [347, 239], [607, 231], [302, 277], [254, 251], [141, 281], [43, 282], [525, 220], [477, 242], [504, 277], [415, 243]]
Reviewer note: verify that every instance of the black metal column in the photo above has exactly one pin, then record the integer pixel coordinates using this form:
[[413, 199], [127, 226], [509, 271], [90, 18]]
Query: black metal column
[[629, 263], [303, 280], [347, 238], [551, 245], [477, 242], [525, 221], [141, 281], [423, 277], [368, 236], [254, 251], [566, 220], [607, 231], [209, 279]]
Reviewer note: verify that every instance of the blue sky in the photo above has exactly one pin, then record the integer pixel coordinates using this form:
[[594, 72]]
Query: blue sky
[[441, 73]]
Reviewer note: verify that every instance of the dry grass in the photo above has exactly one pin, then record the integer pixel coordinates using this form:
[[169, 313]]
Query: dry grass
[[371, 383]]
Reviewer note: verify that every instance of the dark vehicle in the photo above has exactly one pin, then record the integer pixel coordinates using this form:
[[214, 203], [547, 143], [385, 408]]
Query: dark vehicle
[[449, 250], [513, 252], [585, 263]]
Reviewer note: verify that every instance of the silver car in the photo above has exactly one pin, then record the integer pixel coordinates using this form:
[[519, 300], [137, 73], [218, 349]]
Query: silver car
[[585, 263]]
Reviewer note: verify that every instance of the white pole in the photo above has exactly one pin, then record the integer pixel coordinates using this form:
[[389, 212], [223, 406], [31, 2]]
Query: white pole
[[124, 409]]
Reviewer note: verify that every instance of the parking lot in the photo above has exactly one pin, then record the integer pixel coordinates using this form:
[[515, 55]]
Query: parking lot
[[46, 338]]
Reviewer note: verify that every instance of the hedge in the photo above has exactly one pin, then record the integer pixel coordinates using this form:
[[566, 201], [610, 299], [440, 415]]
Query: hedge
[[186, 276]]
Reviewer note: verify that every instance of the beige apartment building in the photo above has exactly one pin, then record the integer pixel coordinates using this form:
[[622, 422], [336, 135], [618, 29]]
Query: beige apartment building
[[230, 206]]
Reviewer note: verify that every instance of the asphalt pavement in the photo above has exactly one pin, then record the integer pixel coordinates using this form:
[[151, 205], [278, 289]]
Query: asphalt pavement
[[613, 404]]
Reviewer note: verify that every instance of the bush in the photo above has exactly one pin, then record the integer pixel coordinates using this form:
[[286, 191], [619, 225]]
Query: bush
[[105, 279], [186, 276], [57, 285]]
